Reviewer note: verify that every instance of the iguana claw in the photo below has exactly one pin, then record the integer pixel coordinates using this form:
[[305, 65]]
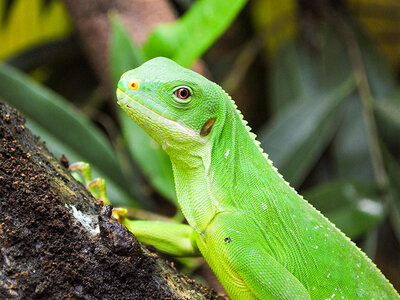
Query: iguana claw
[[97, 187]]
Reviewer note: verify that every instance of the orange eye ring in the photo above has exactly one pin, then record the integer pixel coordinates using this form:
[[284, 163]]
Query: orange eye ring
[[182, 93], [134, 85]]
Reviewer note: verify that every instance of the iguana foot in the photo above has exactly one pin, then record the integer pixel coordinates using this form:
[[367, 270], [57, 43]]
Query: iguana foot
[[119, 213], [97, 186], [100, 184]]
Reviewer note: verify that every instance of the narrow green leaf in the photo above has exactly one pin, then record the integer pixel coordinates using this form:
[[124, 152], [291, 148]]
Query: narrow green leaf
[[370, 244], [387, 113], [64, 129], [152, 160], [293, 76], [125, 55], [351, 149], [351, 155], [296, 137], [188, 38], [353, 206], [334, 63], [393, 170]]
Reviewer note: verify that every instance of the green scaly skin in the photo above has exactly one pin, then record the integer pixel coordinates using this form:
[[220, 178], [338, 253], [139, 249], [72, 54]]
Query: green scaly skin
[[261, 238]]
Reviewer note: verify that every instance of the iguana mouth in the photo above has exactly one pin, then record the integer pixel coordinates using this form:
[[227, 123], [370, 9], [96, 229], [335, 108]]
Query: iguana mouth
[[121, 95], [147, 117]]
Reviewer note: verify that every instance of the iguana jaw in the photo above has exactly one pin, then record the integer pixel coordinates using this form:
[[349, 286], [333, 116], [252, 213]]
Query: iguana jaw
[[153, 122]]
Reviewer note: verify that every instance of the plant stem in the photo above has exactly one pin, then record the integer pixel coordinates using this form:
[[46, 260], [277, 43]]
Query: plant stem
[[367, 101]]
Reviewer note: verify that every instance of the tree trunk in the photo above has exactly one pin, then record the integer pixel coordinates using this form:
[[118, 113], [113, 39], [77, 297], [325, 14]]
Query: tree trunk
[[139, 17], [57, 241]]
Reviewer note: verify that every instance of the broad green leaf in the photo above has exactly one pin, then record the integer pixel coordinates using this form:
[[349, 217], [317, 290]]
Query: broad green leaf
[[65, 127], [353, 206], [296, 137], [153, 161], [186, 39]]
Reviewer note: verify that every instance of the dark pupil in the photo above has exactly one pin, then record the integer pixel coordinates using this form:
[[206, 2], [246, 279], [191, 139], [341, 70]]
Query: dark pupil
[[183, 93]]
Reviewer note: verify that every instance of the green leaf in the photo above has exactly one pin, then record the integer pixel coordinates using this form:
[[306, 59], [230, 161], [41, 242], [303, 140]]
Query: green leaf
[[125, 55], [188, 38], [393, 170], [351, 149], [387, 113], [350, 146], [293, 76], [351, 154], [353, 206], [296, 137], [65, 130], [370, 244], [148, 155], [153, 161]]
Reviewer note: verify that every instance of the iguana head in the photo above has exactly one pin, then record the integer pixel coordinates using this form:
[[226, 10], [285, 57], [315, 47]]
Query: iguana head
[[177, 107]]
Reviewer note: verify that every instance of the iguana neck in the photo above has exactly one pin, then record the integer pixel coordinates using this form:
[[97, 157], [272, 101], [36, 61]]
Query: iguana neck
[[238, 166], [194, 196], [219, 175]]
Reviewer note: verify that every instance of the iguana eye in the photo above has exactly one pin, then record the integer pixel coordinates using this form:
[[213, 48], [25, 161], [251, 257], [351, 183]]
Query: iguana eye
[[182, 93]]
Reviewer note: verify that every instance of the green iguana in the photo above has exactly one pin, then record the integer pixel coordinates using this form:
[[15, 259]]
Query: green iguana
[[261, 238]]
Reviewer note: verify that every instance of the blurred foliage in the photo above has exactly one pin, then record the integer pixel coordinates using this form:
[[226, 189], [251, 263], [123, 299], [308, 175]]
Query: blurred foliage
[[318, 81], [26, 24], [381, 21]]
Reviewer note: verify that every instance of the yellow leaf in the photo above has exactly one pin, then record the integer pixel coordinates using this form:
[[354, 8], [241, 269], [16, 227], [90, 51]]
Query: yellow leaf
[[29, 23], [276, 21]]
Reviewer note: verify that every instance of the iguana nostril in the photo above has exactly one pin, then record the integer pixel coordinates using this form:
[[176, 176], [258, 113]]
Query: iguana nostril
[[134, 85]]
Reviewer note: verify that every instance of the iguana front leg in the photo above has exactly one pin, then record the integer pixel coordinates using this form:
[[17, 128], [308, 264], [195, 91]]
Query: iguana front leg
[[97, 186], [171, 238]]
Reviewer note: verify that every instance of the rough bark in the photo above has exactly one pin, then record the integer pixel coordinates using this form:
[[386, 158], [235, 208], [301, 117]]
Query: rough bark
[[57, 241]]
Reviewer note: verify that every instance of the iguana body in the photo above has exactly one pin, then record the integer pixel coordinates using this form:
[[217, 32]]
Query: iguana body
[[262, 240]]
